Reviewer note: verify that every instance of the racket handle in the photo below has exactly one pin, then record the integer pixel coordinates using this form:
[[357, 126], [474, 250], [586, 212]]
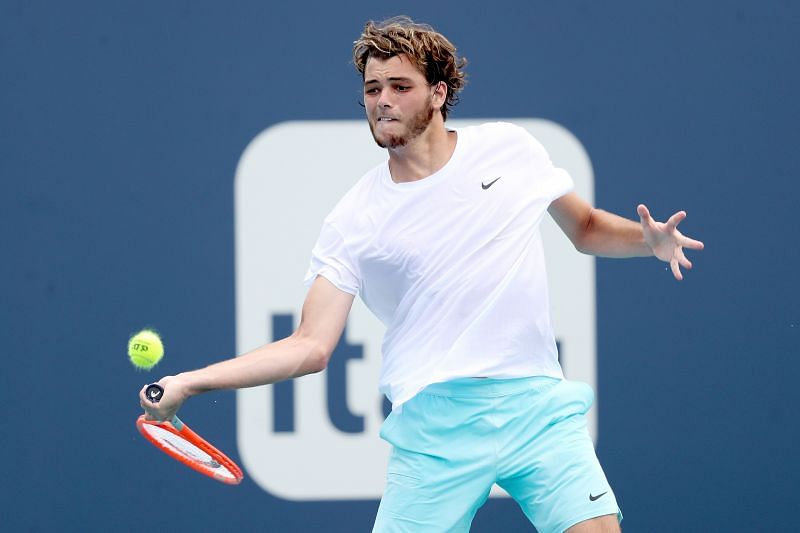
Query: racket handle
[[154, 392]]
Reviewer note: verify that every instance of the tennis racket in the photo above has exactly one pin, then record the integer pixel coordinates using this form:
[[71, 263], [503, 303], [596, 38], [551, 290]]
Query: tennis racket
[[178, 441]]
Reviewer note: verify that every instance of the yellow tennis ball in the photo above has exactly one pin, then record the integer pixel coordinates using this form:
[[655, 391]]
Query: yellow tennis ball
[[145, 349]]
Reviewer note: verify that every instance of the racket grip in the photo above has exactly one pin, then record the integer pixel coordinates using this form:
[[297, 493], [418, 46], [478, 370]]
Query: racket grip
[[154, 392]]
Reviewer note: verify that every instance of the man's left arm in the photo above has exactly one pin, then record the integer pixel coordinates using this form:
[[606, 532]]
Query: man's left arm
[[597, 232]]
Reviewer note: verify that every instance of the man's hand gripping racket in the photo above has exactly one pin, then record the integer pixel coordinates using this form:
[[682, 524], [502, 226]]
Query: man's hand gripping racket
[[174, 438]]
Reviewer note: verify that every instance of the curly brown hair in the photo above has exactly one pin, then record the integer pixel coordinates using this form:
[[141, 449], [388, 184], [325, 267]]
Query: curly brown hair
[[429, 50]]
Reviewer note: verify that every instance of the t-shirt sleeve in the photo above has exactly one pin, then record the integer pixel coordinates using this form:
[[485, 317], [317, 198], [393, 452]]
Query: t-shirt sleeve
[[552, 182], [331, 260]]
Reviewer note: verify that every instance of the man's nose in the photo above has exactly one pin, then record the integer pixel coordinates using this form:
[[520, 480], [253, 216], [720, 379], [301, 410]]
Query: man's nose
[[385, 98]]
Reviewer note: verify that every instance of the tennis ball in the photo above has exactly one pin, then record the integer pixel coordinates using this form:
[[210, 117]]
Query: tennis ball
[[145, 349]]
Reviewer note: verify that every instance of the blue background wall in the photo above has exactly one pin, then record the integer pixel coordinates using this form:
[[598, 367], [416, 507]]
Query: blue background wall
[[120, 129]]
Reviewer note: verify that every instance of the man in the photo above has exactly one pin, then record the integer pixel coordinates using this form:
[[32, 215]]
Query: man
[[442, 244]]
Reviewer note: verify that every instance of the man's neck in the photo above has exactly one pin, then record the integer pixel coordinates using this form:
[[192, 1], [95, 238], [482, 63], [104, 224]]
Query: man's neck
[[424, 155]]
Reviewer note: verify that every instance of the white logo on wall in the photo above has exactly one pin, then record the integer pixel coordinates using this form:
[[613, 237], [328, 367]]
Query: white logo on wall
[[316, 438]]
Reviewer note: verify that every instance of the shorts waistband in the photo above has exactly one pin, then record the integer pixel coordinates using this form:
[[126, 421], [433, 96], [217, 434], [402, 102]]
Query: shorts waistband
[[489, 387]]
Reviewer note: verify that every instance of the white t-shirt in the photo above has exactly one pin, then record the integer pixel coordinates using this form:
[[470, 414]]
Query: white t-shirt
[[452, 264]]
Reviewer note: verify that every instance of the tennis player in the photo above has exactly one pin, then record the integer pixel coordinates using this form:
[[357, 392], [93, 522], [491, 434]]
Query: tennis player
[[442, 243]]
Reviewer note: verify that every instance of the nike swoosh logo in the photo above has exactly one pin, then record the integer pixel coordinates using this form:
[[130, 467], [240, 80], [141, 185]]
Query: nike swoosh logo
[[593, 498], [487, 185]]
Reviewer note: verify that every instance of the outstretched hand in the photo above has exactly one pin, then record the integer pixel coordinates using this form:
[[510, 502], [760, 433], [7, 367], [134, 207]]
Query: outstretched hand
[[666, 241]]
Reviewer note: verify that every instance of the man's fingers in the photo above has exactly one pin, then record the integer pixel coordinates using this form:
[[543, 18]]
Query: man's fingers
[[646, 219], [692, 244], [143, 397], [684, 261], [147, 414], [676, 219], [676, 271]]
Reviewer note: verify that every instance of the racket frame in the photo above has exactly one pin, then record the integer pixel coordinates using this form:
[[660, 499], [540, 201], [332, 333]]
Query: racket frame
[[182, 431]]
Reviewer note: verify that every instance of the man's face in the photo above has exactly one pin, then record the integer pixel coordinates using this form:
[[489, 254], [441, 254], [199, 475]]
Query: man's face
[[398, 101]]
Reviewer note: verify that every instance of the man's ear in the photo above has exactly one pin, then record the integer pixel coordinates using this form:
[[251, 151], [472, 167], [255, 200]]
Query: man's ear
[[439, 94]]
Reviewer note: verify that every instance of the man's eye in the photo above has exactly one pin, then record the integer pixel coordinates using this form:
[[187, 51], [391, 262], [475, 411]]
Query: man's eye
[[370, 91], [402, 88]]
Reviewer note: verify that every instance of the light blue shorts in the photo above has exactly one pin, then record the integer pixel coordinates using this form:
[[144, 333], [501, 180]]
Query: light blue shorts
[[454, 440]]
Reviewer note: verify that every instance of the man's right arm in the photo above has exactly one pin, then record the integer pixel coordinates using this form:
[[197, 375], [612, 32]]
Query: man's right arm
[[306, 351]]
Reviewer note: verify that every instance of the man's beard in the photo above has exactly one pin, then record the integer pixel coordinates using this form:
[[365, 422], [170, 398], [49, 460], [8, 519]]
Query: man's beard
[[418, 125]]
